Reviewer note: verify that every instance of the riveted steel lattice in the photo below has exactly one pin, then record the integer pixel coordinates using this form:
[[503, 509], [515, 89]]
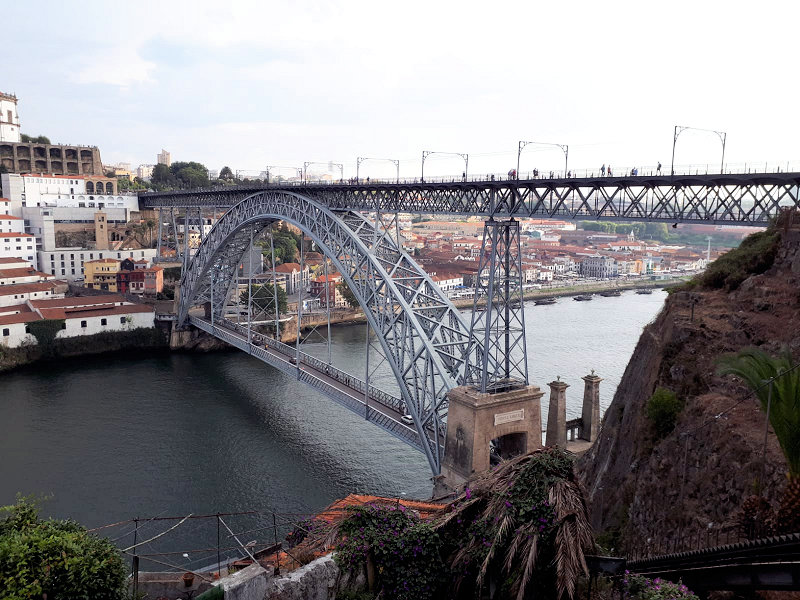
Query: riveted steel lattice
[[747, 198], [499, 323], [423, 337]]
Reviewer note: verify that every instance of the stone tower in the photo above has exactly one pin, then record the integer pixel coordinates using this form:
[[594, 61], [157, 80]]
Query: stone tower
[[100, 231]]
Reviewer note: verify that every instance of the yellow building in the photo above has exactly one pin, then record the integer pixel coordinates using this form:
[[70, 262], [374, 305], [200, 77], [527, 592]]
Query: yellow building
[[101, 274]]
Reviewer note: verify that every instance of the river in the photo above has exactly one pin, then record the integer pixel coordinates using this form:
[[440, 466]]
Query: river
[[112, 437]]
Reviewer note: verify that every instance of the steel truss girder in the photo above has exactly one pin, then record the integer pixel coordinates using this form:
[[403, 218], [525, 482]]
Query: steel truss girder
[[423, 336], [746, 199], [500, 323]]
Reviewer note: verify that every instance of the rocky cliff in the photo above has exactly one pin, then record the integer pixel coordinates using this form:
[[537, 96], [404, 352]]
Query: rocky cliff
[[643, 487]]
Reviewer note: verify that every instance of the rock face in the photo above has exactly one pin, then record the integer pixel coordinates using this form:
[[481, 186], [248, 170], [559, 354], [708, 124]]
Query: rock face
[[644, 488]]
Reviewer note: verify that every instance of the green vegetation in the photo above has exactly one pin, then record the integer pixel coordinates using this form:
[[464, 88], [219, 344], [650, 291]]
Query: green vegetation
[[39, 139], [754, 255], [638, 587], [663, 409], [347, 294], [45, 332], [226, 174], [394, 542], [179, 175], [55, 559], [755, 367], [642, 231], [264, 299]]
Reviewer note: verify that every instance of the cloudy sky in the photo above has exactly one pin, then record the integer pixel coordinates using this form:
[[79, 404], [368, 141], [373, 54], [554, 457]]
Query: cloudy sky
[[250, 84]]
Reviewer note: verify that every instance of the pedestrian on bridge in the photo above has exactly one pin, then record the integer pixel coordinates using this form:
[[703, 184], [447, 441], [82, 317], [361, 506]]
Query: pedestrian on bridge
[[603, 170], [658, 168]]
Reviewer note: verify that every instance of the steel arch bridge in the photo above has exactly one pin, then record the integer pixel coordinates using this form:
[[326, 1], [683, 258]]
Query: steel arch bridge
[[424, 338]]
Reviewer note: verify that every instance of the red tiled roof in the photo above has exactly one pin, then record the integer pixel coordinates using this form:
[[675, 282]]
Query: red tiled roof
[[26, 288], [23, 272], [8, 261], [53, 176], [338, 510], [15, 235], [94, 311], [287, 268], [19, 318], [73, 302], [10, 218], [14, 308]]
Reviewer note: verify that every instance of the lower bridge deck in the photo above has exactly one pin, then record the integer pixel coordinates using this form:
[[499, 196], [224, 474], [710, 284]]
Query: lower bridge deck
[[376, 406]]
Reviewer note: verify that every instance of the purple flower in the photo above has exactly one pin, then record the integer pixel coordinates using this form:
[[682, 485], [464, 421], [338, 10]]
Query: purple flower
[[468, 493]]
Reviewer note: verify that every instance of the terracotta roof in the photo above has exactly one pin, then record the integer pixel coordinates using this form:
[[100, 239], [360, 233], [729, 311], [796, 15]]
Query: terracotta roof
[[15, 235], [10, 218], [19, 318], [103, 260], [23, 272], [14, 308], [287, 268], [94, 311], [84, 301], [26, 288], [48, 175], [9, 261]]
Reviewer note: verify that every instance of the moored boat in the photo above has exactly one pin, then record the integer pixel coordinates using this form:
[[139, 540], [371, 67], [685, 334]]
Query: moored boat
[[582, 297], [611, 293], [644, 291], [545, 301]]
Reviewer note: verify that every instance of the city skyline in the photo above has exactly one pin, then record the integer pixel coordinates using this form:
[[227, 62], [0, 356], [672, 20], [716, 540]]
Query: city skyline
[[248, 86]]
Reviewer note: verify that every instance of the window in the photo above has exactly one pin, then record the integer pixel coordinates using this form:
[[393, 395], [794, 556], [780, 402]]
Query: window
[[122, 320], [103, 322], [64, 325], [6, 332], [83, 324]]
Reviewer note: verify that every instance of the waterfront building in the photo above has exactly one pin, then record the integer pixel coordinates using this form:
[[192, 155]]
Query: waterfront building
[[291, 277], [599, 266], [80, 316], [164, 158], [101, 274]]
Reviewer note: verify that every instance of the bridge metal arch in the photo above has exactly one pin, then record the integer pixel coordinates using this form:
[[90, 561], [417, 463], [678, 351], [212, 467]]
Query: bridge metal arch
[[423, 336]]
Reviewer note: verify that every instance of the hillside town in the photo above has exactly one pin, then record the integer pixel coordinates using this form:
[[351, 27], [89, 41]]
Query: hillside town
[[71, 225]]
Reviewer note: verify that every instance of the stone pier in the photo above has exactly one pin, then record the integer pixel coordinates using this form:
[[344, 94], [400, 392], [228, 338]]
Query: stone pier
[[590, 415], [512, 419], [557, 415]]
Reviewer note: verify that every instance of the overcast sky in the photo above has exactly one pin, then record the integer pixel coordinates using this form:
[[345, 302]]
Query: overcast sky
[[279, 83]]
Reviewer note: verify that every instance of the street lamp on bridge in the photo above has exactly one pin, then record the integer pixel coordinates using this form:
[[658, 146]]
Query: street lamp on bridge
[[330, 164], [361, 159], [564, 149], [679, 129], [427, 153], [272, 168]]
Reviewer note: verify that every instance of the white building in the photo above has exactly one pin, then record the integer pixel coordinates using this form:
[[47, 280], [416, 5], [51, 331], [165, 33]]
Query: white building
[[599, 266], [11, 224], [81, 316], [18, 245], [73, 191], [67, 263], [164, 158], [145, 172], [9, 119], [448, 281]]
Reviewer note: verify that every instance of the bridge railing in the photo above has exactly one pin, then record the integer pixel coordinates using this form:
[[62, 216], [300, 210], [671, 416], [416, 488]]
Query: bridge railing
[[343, 377], [574, 429], [531, 175]]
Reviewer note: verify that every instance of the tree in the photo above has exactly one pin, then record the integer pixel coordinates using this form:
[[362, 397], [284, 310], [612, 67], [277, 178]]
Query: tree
[[347, 294], [55, 559], [162, 176], [755, 367], [264, 299], [39, 139], [226, 174]]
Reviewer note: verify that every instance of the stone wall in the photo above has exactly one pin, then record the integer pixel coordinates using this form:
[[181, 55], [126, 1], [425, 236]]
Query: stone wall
[[27, 157]]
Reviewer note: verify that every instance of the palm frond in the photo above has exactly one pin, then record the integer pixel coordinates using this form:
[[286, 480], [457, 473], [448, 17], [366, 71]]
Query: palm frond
[[502, 531], [530, 563]]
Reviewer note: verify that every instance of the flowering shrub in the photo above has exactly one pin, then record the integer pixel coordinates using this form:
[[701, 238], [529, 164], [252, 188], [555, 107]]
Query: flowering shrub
[[404, 550], [638, 587]]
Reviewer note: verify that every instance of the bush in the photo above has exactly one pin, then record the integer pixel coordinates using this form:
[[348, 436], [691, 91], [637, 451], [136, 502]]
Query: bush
[[663, 409], [637, 587], [403, 549], [55, 559], [754, 255]]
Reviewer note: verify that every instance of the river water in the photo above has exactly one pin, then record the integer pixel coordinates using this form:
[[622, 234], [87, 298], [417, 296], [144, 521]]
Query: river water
[[112, 437]]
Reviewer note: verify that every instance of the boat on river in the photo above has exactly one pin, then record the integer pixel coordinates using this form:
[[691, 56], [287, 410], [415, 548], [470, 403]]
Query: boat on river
[[645, 291], [583, 297], [545, 301], [610, 293]]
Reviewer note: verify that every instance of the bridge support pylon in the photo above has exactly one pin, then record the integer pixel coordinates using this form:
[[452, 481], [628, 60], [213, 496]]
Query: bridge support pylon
[[481, 426]]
